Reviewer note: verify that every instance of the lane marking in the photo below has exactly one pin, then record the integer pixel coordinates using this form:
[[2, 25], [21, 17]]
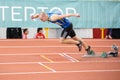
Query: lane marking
[[34, 46], [71, 57], [79, 71], [48, 46], [62, 62], [46, 58], [18, 63], [68, 57], [40, 53], [47, 67], [7, 40], [48, 53]]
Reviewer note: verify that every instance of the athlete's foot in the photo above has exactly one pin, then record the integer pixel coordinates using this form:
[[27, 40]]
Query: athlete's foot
[[79, 45], [88, 50]]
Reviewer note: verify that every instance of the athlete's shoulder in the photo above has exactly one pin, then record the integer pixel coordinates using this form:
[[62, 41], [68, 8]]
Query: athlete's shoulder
[[52, 16]]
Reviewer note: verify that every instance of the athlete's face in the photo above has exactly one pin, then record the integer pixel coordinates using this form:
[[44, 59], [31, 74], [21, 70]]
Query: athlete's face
[[43, 17]]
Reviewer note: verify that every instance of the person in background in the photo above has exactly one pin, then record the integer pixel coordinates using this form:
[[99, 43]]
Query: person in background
[[40, 34], [25, 33], [109, 34]]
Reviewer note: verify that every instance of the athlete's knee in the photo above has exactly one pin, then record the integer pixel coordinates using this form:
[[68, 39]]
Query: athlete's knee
[[62, 40], [74, 38], [77, 38]]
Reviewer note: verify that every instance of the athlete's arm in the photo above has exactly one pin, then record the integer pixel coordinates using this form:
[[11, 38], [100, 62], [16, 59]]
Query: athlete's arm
[[34, 16], [57, 17]]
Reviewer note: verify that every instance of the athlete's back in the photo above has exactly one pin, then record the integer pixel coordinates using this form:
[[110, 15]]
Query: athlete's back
[[64, 22]]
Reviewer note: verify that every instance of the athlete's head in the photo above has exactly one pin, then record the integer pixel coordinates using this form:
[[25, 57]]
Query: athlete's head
[[43, 16]]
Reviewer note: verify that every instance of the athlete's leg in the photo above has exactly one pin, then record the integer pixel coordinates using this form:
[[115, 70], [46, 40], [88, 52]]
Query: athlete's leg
[[74, 40], [86, 47], [65, 40], [82, 41], [68, 41], [72, 34]]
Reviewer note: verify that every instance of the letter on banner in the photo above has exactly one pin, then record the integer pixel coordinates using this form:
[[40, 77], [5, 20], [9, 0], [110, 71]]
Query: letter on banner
[[15, 13], [30, 14], [3, 12]]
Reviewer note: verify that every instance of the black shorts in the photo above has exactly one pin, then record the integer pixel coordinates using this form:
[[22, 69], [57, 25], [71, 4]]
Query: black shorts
[[68, 32]]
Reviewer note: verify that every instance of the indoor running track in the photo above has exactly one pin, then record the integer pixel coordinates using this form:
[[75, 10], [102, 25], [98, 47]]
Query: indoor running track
[[47, 59]]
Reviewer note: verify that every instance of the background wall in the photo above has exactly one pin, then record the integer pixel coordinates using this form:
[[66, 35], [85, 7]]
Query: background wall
[[93, 13], [52, 33]]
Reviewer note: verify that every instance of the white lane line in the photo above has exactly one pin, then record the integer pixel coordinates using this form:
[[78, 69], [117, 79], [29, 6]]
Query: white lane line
[[49, 46], [68, 57], [47, 67], [39, 53], [34, 46], [62, 62], [28, 40], [79, 71], [4, 63], [57, 40], [71, 57]]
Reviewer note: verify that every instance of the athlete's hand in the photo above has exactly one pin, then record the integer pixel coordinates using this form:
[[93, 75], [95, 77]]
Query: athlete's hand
[[77, 15], [32, 17]]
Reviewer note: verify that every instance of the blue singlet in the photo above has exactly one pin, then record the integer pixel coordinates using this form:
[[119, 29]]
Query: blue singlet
[[64, 23]]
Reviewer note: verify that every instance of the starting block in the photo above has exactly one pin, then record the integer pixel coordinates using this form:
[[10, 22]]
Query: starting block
[[113, 53], [93, 54], [115, 48]]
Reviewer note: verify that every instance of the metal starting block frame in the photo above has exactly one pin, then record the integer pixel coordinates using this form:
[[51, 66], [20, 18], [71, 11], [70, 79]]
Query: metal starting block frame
[[113, 53]]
